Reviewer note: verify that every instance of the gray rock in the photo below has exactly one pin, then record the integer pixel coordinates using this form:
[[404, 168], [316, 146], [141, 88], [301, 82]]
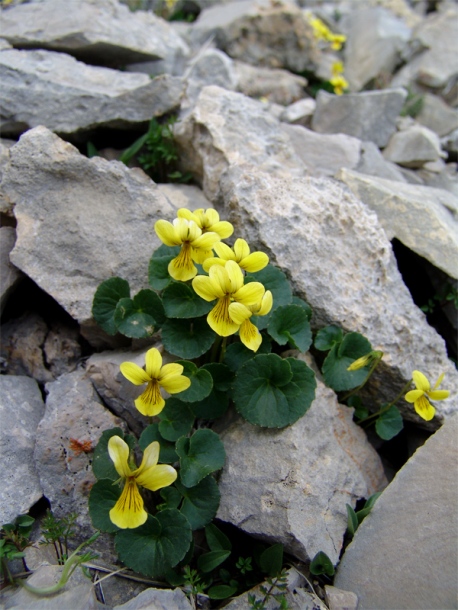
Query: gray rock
[[185, 196], [373, 163], [324, 154], [159, 599], [72, 214], [101, 31], [65, 95], [274, 35], [9, 274], [375, 42], [446, 178], [424, 219], [356, 285], [6, 206], [276, 85], [437, 115], [297, 496], [210, 67], [413, 147], [414, 525], [338, 599], [370, 115], [226, 128], [21, 409], [73, 422], [299, 113]]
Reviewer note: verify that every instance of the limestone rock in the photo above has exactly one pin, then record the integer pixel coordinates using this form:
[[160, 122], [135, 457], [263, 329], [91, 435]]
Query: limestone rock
[[5, 203], [99, 31], [370, 115], [297, 496], [300, 112], [21, 409], [373, 163], [338, 599], [414, 525], [413, 147], [210, 67], [276, 85], [9, 275], [437, 115], [376, 40], [185, 196], [339, 259], [72, 214], [67, 96], [424, 219], [324, 154], [159, 599], [213, 136]]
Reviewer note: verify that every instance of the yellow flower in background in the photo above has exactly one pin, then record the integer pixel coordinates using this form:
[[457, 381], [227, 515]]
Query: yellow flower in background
[[419, 396], [240, 253], [241, 314], [322, 32], [129, 511], [365, 360], [337, 40], [339, 83], [170, 4], [226, 285], [156, 377], [195, 246], [208, 220]]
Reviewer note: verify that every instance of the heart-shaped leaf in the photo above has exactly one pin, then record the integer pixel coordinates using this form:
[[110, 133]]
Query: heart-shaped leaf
[[105, 301], [199, 455]]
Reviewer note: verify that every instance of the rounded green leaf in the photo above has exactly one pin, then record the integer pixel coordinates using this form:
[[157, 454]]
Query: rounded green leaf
[[275, 280], [176, 420], [341, 355], [137, 317], [167, 453], [221, 591], [180, 301], [321, 564], [217, 402], [187, 339], [171, 496], [271, 560], [389, 424], [200, 503], [290, 324], [273, 392], [156, 546], [199, 455], [158, 275], [102, 466], [201, 382], [221, 374], [105, 301], [211, 560], [305, 306], [237, 354], [216, 540], [103, 496], [327, 337]]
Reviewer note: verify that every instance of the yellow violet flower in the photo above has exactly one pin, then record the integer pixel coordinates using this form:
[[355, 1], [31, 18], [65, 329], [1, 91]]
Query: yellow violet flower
[[365, 360], [226, 285], [337, 80], [423, 390], [241, 314], [208, 220], [156, 376], [195, 246], [129, 512], [240, 253]]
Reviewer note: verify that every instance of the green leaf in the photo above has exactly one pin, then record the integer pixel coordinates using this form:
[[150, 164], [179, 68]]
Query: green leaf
[[137, 317], [305, 306], [216, 539], [102, 465], [360, 411], [156, 546], [200, 503], [201, 382], [200, 455], [290, 324], [24, 522], [180, 301], [352, 521], [176, 420], [271, 560], [172, 497], [361, 514], [158, 274], [237, 354], [133, 149], [389, 424], [187, 339], [105, 300], [275, 280], [321, 564], [217, 402], [103, 496], [327, 337], [209, 561], [339, 359], [167, 453], [221, 591], [273, 392], [222, 376]]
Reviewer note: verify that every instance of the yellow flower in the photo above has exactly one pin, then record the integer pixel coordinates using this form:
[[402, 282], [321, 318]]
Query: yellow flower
[[226, 285], [129, 512], [156, 376], [365, 360], [240, 253], [241, 314], [195, 246], [423, 389], [337, 41], [208, 220]]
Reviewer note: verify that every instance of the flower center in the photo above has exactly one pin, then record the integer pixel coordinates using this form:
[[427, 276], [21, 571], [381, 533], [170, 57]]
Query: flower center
[[152, 393]]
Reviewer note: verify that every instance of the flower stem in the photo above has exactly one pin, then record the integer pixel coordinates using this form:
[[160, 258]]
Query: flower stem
[[371, 370], [388, 406]]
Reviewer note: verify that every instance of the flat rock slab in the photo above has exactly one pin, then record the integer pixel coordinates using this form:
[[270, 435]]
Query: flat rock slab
[[21, 409], [291, 485], [339, 259], [423, 218], [405, 553], [101, 31], [67, 96], [159, 599]]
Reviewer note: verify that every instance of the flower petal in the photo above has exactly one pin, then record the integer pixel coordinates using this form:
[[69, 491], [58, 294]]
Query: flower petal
[[118, 450], [128, 512], [205, 241], [223, 251], [250, 336], [166, 233], [235, 276], [266, 304], [223, 228], [439, 394], [185, 213], [439, 381], [182, 268], [241, 249], [219, 319], [254, 262], [153, 363], [208, 262], [220, 278], [174, 385], [413, 395], [206, 288], [239, 313], [150, 458], [150, 402], [157, 477], [134, 373], [250, 294], [424, 409], [420, 381]]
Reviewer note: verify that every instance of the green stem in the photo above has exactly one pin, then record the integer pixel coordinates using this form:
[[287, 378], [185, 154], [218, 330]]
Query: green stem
[[215, 349], [387, 407], [223, 349], [371, 370]]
